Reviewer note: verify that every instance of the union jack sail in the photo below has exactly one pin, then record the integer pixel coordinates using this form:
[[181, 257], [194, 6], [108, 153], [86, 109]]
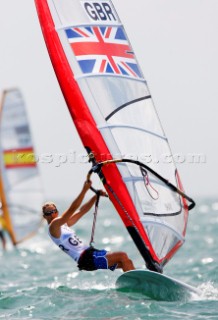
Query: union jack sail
[[103, 50]]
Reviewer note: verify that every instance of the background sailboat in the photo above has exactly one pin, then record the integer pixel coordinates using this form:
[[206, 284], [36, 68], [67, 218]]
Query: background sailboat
[[21, 192]]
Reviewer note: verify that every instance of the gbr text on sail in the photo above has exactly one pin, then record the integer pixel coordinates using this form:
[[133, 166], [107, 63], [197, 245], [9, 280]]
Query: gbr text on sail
[[100, 11]]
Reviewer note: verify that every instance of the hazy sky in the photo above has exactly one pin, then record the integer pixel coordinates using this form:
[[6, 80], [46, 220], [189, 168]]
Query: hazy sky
[[176, 44]]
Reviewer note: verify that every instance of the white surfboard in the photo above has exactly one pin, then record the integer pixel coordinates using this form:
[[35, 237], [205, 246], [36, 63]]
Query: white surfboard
[[154, 285]]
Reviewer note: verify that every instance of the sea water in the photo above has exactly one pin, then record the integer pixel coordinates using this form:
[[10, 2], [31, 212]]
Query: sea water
[[38, 281]]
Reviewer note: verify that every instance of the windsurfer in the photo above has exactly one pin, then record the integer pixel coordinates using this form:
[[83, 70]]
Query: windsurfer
[[2, 236], [88, 258]]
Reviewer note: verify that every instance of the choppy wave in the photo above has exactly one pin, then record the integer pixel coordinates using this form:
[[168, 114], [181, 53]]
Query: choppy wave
[[39, 282]]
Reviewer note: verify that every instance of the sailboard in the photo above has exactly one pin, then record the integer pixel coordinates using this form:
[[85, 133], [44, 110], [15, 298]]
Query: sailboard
[[155, 286], [21, 192], [113, 111]]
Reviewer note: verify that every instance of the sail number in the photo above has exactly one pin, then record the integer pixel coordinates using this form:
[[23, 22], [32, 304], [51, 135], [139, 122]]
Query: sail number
[[99, 11], [75, 241]]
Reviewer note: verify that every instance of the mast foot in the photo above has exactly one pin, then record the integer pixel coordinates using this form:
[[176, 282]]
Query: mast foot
[[154, 266]]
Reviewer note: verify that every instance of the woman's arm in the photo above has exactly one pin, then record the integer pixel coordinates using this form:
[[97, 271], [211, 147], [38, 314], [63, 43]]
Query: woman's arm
[[83, 210], [59, 221]]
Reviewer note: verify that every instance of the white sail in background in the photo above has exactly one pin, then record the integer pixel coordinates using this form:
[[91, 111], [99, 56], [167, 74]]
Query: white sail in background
[[21, 191]]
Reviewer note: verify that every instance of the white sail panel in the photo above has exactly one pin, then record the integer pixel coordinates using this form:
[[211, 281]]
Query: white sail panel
[[83, 12], [125, 115]]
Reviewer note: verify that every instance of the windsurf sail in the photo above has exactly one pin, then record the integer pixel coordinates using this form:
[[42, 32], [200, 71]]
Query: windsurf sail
[[112, 108], [21, 193]]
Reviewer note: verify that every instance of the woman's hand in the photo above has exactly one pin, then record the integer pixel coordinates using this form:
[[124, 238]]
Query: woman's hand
[[102, 193], [87, 185]]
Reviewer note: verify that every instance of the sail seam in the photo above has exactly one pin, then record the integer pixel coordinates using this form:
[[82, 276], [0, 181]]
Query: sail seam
[[128, 126], [67, 26], [106, 75]]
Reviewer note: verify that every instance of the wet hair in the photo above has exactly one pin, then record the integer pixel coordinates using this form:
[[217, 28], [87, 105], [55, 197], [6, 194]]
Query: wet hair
[[46, 205]]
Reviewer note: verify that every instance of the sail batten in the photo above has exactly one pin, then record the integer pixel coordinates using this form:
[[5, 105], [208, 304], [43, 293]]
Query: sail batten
[[113, 111]]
